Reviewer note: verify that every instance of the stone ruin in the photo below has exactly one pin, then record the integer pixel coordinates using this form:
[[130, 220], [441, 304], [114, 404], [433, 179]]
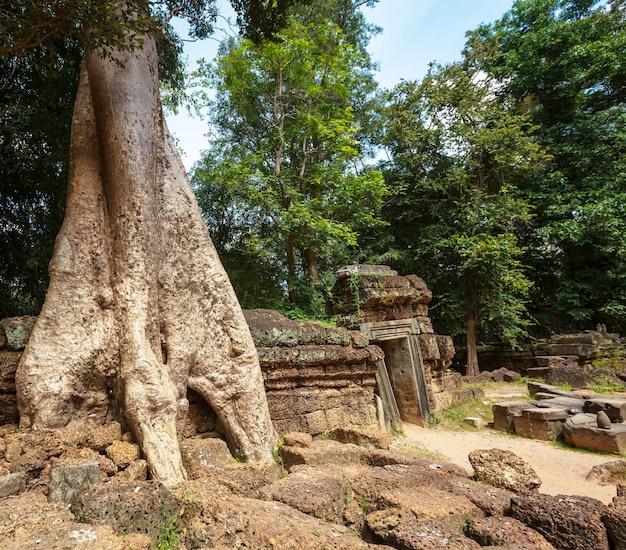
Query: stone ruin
[[383, 364], [414, 379], [563, 358], [581, 418]]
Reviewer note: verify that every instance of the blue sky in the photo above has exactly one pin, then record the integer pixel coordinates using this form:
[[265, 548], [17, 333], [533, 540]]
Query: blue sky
[[415, 32]]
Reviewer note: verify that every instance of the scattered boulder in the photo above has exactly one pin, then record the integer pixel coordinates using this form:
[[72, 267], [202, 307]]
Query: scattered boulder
[[12, 484], [567, 522], [321, 452], [498, 531], [503, 469], [123, 453], [367, 438], [297, 439], [311, 491], [201, 456], [67, 480], [137, 470], [609, 472], [615, 521], [402, 528]]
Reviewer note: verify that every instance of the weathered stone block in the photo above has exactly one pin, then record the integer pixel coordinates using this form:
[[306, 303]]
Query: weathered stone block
[[568, 523], [298, 439], [615, 521], [536, 428], [17, 331], [66, 481], [320, 453], [614, 407], [401, 528], [123, 453], [503, 469], [505, 412], [597, 439], [499, 531], [12, 484], [579, 419], [369, 438], [201, 456]]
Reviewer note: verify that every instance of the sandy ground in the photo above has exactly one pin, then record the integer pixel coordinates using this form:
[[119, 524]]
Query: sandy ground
[[562, 471]]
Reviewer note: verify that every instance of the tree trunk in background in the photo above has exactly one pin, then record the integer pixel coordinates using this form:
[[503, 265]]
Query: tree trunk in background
[[312, 265], [472, 355], [139, 307]]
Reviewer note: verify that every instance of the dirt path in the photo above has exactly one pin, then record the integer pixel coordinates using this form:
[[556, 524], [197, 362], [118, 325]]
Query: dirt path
[[562, 471]]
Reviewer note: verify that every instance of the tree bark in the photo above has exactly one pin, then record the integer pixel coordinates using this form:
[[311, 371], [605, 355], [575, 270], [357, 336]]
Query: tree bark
[[472, 355], [139, 307]]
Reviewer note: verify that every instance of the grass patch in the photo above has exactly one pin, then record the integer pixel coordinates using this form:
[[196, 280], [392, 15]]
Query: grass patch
[[452, 417]]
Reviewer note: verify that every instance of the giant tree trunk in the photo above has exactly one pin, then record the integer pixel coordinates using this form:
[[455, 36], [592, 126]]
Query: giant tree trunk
[[139, 307]]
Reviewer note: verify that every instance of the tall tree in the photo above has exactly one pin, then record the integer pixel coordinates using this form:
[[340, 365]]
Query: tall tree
[[139, 308], [457, 153], [286, 143], [563, 62]]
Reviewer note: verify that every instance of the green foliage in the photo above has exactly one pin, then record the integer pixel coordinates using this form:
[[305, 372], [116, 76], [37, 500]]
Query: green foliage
[[562, 62], [36, 106], [458, 151], [452, 417], [285, 155]]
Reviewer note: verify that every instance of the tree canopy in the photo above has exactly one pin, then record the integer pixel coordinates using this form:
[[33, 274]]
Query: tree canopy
[[285, 151]]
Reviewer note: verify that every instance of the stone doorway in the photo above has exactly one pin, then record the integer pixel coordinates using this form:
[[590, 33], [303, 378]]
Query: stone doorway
[[401, 378]]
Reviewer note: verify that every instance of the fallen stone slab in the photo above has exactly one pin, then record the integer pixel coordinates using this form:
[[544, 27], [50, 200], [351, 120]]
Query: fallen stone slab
[[505, 412], [504, 469], [591, 437], [545, 424], [580, 419], [614, 407], [12, 484], [567, 522], [498, 531], [382, 457], [320, 453], [567, 403], [68, 480], [535, 387], [371, 439]]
